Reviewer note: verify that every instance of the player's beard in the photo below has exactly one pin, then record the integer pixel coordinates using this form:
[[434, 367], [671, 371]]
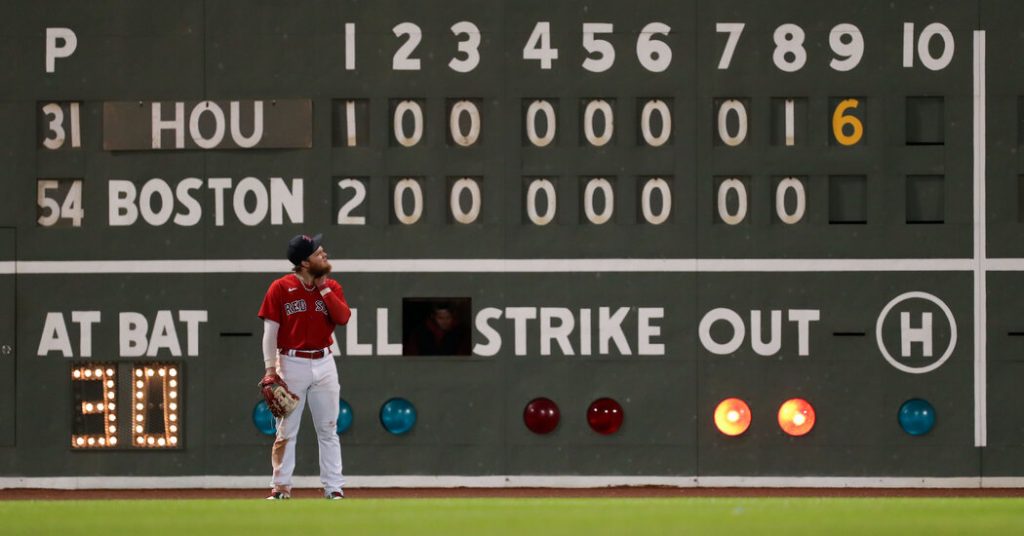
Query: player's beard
[[318, 271]]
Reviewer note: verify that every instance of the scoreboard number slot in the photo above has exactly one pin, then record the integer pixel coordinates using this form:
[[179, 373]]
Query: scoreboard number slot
[[598, 213], [537, 188], [59, 203], [656, 190], [732, 111], [658, 108], [407, 214], [464, 112], [407, 113], [592, 123], [463, 188], [731, 200], [788, 121], [790, 188], [535, 109], [358, 188], [350, 122], [847, 128], [61, 125]]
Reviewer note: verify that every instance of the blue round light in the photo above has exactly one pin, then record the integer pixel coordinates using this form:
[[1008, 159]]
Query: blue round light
[[917, 417], [398, 416], [345, 416], [263, 420]]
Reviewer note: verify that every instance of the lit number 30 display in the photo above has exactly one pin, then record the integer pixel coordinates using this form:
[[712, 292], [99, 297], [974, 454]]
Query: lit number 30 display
[[155, 402]]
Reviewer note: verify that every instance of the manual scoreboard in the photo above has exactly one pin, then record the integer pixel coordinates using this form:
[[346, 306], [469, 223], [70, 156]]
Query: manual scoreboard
[[689, 239]]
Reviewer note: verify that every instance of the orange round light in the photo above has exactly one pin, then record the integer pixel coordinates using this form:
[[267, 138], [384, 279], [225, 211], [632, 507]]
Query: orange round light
[[732, 416], [796, 416]]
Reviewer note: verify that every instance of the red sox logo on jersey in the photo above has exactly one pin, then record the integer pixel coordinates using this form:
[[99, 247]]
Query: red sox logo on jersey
[[297, 306]]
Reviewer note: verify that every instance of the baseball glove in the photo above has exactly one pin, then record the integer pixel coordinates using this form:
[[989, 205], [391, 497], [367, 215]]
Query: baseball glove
[[279, 399]]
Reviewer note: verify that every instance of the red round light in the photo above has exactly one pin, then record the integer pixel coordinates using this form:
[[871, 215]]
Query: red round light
[[796, 416], [732, 416], [541, 415], [605, 416]]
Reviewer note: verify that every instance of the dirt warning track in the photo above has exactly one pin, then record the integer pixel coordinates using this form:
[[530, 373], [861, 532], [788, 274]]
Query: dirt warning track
[[429, 493]]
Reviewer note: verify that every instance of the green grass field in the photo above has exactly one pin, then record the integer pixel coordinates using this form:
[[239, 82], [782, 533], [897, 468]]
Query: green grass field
[[521, 517]]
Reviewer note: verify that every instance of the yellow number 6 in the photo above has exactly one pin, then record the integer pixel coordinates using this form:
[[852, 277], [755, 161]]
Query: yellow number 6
[[839, 121]]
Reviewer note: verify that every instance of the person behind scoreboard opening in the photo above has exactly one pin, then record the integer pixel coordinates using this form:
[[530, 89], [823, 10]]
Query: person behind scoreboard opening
[[300, 312], [440, 333]]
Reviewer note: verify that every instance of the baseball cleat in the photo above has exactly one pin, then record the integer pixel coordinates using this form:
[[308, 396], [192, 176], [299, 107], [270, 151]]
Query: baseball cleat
[[279, 496], [334, 495]]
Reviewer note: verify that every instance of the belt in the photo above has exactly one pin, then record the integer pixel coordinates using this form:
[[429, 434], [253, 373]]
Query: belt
[[307, 354]]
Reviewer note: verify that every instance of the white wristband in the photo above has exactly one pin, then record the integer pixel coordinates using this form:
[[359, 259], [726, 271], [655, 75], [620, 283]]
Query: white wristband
[[325, 291]]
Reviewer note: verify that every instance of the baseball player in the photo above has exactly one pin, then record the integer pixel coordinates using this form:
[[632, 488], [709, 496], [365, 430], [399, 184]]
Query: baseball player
[[299, 312]]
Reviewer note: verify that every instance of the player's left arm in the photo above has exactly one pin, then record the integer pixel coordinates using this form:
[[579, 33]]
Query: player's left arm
[[334, 297]]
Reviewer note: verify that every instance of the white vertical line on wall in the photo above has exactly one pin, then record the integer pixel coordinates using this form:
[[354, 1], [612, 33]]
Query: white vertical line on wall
[[350, 46], [980, 296]]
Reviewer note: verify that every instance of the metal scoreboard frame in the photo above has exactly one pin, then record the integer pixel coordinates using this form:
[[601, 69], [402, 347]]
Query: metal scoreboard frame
[[731, 243]]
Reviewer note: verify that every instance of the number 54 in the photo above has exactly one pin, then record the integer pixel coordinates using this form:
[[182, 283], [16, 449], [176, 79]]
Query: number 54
[[51, 211]]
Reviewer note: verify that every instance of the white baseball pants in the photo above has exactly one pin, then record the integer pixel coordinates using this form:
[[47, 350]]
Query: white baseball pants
[[315, 381]]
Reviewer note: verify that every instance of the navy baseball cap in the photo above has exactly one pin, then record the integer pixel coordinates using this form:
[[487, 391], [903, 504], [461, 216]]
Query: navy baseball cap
[[300, 247]]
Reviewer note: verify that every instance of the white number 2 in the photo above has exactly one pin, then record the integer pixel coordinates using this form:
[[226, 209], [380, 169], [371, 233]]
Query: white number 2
[[345, 212], [401, 61]]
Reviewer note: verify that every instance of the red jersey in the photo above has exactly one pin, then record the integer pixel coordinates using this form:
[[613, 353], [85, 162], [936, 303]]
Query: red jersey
[[306, 316]]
